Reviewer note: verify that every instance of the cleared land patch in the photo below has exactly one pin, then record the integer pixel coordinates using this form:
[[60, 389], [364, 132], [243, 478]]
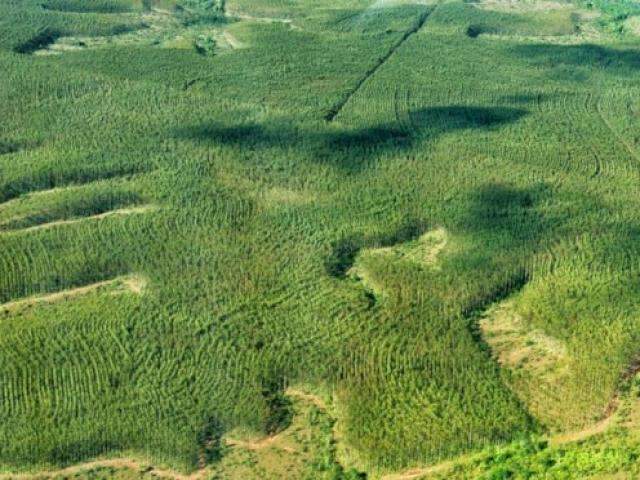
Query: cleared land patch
[[536, 362], [632, 25], [277, 196], [252, 18], [101, 216], [118, 286], [522, 5], [518, 347], [95, 467], [529, 22], [157, 28], [422, 252], [304, 449], [74, 202]]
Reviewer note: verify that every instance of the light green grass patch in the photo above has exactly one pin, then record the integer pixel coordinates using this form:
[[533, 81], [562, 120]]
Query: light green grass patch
[[371, 263]]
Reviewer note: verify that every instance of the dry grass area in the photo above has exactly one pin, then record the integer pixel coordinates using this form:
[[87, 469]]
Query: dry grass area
[[536, 363], [417, 473], [277, 196], [423, 252], [519, 6], [115, 468], [555, 22], [163, 30], [285, 440], [578, 39], [395, 3], [232, 41], [118, 286], [429, 247], [251, 18], [290, 453], [295, 452], [578, 435], [515, 346], [159, 22], [632, 25], [269, 197]]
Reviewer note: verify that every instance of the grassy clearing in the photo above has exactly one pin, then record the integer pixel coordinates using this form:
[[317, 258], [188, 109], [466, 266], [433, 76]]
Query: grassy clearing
[[534, 21], [127, 284], [520, 6], [606, 451], [632, 25], [159, 28], [535, 364], [372, 266], [304, 449]]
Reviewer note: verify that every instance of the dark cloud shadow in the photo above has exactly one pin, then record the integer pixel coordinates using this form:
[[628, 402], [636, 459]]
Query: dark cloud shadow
[[352, 149], [500, 212], [533, 98], [9, 147], [444, 119], [39, 41], [498, 207], [84, 7], [623, 62]]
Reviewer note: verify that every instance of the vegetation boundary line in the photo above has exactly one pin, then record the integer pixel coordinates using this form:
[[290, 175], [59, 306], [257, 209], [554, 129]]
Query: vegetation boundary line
[[133, 283], [134, 210], [133, 463], [337, 108], [616, 134]]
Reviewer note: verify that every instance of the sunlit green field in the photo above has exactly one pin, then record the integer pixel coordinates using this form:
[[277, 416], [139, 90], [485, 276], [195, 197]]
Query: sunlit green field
[[429, 212]]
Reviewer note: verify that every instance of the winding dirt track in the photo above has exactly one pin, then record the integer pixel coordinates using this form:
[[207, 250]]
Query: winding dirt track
[[555, 440], [411, 474], [129, 463], [132, 463]]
